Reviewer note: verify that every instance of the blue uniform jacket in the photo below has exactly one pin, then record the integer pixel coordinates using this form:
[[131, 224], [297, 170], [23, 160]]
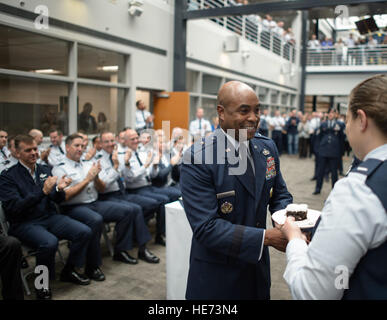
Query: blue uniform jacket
[[227, 214], [331, 140], [22, 199]]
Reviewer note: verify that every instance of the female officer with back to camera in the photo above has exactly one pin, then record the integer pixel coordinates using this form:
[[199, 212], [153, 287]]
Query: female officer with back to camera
[[347, 257]]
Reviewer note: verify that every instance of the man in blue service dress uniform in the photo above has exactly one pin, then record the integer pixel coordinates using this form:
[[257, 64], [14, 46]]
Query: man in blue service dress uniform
[[226, 199], [329, 150]]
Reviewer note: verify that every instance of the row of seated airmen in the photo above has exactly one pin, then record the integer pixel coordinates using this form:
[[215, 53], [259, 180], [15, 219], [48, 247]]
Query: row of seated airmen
[[125, 185]]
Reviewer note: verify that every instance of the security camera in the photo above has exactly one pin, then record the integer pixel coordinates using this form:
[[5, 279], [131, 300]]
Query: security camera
[[135, 11], [245, 54]]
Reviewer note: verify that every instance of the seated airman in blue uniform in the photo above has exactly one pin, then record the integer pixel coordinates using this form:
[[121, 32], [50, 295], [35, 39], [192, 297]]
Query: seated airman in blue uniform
[[227, 184]]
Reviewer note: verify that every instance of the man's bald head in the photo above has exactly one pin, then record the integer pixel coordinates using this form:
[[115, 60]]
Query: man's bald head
[[231, 91], [37, 134], [238, 108], [131, 139]]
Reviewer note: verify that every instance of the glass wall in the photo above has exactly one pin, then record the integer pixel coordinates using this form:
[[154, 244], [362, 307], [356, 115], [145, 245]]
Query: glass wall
[[27, 51], [99, 64], [37, 91], [99, 108], [32, 103]]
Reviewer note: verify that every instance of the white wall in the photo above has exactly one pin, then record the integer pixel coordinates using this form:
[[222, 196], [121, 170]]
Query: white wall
[[205, 42], [338, 84]]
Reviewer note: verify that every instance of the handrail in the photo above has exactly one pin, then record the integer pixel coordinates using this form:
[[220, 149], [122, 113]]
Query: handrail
[[249, 28], [355, 56]]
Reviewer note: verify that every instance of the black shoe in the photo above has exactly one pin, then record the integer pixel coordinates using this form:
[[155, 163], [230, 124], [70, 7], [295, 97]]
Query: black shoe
[[313, 179], [74, 277], [43, 294], [316, 192], [123, 256], [95, 274], [148, 256], [160, 239]]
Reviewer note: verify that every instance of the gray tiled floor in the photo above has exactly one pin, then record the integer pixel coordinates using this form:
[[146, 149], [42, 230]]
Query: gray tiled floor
[[148, 281]]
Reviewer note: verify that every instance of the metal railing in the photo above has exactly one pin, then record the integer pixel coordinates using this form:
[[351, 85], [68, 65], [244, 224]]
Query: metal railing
[[248, 27], [353, 56]]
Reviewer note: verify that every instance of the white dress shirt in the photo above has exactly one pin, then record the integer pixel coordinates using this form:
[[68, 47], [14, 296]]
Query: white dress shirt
[[77, 171], [136, 175], [108, 174], [57, 155], [353, 222], [278, 123], [141, 116], [199, 127]]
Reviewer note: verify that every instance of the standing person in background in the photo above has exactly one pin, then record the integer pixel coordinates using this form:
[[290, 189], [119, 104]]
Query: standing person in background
[[277, 124], [86, 121], [329, 150], [215, 123], [264, 123], [144, 119], [200, 126], [339, 48], [303, 133], [285, 147], [102, 123], [292, 132]]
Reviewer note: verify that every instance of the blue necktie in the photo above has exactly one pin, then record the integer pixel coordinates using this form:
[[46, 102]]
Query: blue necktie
[[119, 180]]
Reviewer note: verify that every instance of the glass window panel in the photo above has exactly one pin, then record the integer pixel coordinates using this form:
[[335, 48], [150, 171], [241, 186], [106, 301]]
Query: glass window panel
[[192, 81], [211, 84], [31, 103], [193, 102], [27, 51], [262, 94], [99, 64], [100, 109], [209, 107], [284, 98]]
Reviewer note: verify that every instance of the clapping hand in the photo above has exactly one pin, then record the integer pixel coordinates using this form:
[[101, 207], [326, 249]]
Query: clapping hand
[[115, 158], [49, 184], [128, 155], [64, 182], [94, 171]]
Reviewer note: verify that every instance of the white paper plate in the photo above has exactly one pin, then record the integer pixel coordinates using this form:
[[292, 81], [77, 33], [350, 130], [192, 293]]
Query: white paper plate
[[310, 221]]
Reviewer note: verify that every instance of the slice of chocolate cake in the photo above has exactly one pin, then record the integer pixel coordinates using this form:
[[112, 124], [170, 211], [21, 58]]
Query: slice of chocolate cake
[[298, 211]]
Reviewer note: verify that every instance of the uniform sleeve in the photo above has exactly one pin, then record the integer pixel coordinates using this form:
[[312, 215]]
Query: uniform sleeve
[[59, 172], [201, 207], [108, 174]]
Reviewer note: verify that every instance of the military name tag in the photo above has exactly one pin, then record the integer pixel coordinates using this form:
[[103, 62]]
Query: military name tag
[[226, 207]]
